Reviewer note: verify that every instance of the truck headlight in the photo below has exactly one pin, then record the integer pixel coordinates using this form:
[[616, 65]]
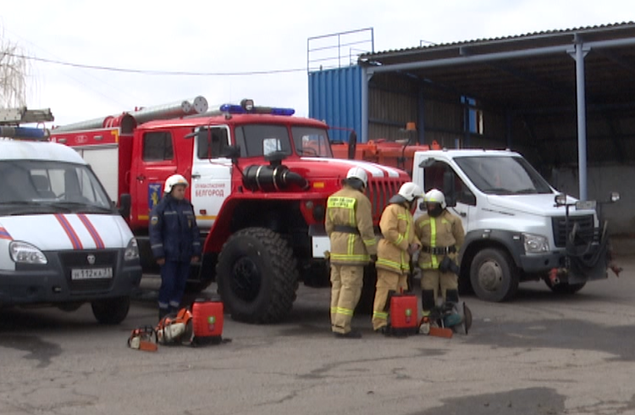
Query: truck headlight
[[132, 251], [535, 243], [24, 253]]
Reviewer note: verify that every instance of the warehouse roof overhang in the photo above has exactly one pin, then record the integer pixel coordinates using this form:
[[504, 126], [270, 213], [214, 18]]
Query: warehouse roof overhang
[[532, 72]]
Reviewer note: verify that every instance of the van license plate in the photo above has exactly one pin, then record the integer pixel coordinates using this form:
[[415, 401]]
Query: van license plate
[[91, 273]]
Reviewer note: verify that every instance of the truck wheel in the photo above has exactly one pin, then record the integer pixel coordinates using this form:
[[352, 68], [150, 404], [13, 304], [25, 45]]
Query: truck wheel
[[367, 298], [257, 276], [564, 287], [111, 310], [493, 275]]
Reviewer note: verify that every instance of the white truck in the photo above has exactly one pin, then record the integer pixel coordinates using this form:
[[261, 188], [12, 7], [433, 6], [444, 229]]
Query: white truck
[[62, 241], [518, 228]]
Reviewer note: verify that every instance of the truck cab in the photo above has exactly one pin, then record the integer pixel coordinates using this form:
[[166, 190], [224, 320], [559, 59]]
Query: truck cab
[[518, 227]]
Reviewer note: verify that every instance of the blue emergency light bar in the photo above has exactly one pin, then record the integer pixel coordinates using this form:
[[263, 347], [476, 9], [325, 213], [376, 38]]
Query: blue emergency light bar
[[249, 108], [24, 133]]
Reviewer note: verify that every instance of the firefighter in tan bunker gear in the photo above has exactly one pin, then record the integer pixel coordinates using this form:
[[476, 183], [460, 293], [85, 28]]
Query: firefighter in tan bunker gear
[[349, 225], [394, 250], [441, 234]]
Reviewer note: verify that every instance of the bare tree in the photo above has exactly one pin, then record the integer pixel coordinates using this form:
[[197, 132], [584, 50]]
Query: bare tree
[[13, 72]]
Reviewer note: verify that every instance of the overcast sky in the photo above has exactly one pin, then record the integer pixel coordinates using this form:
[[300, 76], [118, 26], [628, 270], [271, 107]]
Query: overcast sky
[[241, 36]]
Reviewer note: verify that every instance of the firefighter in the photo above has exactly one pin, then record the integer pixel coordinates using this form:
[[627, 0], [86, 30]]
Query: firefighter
[[441, 235], [174, 239], [394, 250], [349, 225]]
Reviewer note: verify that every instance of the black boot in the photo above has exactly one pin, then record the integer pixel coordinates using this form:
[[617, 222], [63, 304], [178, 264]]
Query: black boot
[[353, 334]]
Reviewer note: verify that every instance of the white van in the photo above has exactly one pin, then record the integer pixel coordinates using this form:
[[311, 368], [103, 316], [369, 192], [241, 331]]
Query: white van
[[62, 242], [518, 228]]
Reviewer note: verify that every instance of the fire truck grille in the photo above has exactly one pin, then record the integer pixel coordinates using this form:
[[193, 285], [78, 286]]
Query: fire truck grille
[[90, 270], [584, 233], [379, 192]]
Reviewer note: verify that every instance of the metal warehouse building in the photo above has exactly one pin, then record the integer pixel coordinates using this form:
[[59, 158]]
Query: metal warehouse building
[[565, 99]]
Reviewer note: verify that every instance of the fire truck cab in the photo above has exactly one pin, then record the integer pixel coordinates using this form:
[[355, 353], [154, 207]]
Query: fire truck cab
[[259, 180]]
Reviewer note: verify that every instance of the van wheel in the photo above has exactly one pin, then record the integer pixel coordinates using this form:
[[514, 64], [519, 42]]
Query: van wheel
[[111, 310], [493, 275], [564, 288], [257, 276]]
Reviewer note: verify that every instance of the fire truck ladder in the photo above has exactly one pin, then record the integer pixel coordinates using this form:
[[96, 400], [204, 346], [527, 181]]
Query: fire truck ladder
[[11, 118]]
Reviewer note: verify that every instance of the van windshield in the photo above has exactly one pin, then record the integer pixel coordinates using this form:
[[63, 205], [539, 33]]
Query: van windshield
[[503, 175], [38, 184]]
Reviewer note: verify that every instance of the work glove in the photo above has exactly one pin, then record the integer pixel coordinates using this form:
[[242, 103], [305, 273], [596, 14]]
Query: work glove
[[447, 265], [373, 258]]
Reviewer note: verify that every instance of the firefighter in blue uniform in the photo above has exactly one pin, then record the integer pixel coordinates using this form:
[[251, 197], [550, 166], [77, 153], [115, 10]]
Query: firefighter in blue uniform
[[174, 239]]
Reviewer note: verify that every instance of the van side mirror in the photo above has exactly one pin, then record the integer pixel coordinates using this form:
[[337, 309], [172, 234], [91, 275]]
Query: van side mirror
[[449, 190], [467, 198], [124, 205]]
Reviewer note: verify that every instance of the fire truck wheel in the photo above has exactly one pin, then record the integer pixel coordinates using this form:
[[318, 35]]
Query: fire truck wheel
[[111, 310], [367, 298], [493, 275], [257, 276], [564, 288]]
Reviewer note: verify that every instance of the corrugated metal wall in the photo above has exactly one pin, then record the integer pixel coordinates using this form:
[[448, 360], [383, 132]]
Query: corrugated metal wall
[[335, 97]]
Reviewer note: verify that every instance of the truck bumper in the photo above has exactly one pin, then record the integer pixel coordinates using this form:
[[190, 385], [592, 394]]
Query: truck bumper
[[542, 262], [577, 272], [52, 283]]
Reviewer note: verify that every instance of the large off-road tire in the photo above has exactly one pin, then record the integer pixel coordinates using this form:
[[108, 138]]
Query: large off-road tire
[[564, 288], [257, 276], [111, 310], [367, 298], [493, 275]]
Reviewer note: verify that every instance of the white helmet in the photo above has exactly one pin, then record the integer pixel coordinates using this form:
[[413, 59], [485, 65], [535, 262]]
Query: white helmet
[[435, 196], [172, 181], [410, 191], [358, 173]]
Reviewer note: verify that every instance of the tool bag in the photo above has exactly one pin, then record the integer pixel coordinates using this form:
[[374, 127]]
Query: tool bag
[[404, 314], [207, 321]]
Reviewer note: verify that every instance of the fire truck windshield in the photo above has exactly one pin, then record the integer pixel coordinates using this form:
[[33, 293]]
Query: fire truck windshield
[[64, 186], [257, 140], [311, 142]]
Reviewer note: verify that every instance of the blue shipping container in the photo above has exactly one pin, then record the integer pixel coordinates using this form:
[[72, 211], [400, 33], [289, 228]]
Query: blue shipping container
[[335, 97]]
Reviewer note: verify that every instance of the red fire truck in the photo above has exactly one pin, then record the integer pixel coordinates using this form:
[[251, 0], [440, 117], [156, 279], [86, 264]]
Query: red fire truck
[[259, 180]]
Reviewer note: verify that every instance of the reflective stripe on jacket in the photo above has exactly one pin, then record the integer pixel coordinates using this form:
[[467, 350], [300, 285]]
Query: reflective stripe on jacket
[[397, 227], [350, 209], [443, 231]]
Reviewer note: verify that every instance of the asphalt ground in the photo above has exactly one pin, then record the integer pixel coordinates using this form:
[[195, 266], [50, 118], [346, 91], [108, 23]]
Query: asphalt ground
[[537, 354]]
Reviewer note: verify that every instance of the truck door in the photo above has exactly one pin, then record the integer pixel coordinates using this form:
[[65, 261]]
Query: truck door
[[153, 163], [460, 199], [211, 174]]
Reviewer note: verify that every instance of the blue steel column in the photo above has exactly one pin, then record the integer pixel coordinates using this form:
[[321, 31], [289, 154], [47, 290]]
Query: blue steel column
[[580, 53], [364, 97]]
